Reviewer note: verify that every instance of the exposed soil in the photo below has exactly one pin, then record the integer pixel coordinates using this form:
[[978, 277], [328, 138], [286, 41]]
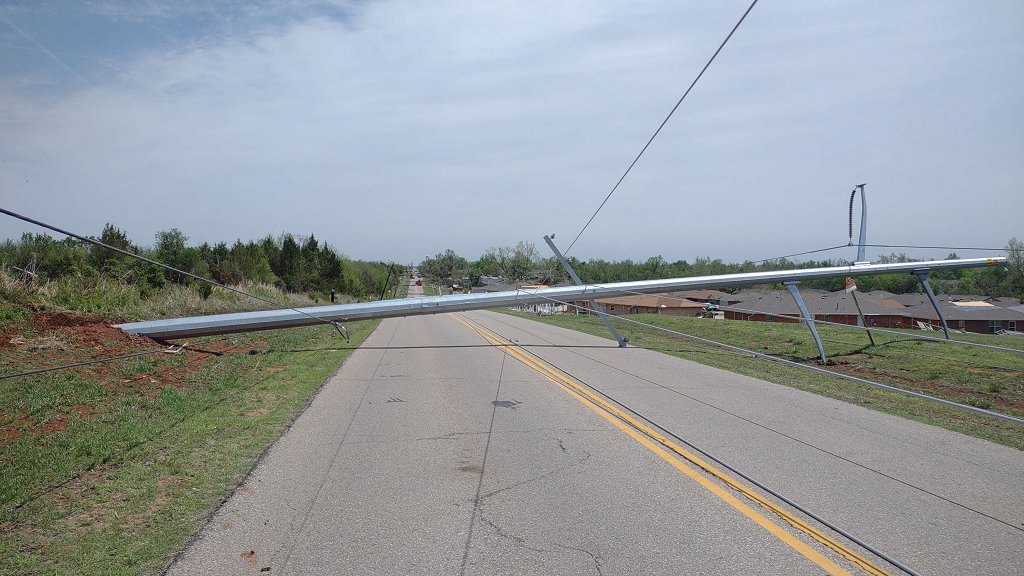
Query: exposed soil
[[47, 330], [999, 402], [61, 338]]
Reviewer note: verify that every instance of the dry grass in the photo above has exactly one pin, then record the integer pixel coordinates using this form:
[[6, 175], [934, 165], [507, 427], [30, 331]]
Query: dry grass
[[98, 295]]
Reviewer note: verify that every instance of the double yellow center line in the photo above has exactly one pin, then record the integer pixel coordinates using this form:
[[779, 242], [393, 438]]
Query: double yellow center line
[[678, 456]]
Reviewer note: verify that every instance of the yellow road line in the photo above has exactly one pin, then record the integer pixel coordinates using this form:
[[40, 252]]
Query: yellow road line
[[658, 444]]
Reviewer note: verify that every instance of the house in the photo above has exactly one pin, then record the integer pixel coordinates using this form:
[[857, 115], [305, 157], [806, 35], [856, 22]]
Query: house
[[970, 315], [881, 309], [647, 304], [1005, 301], [706, 296], [495, 287]]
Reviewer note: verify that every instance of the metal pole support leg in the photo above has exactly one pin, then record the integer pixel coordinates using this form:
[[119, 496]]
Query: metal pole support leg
[[596, 307], [922, 277], [808, 318]]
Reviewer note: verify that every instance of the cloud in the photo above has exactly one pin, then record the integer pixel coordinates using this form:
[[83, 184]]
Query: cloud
[[399, 129]]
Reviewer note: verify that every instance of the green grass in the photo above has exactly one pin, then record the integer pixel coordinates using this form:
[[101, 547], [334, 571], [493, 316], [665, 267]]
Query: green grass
[[119, 301], [135, 467], [431, 290], [985, 378]]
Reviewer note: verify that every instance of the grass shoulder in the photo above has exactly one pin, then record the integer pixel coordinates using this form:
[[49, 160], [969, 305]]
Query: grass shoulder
[[110, 468], [981, 377]]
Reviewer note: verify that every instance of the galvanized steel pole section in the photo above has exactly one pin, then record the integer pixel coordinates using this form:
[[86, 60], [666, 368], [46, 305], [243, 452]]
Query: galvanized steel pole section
[[598, 309], [922, 277], [808, 318], [272, 319], [863, 224]]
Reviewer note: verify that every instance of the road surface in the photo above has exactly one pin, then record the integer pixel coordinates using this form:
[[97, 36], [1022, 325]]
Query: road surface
[[432, 451]]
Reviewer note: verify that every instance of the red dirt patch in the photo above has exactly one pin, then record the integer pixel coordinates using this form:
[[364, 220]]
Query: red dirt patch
[[54, 425], [954, 392], [9, 434], [12, 431], [51, 339], [77, 331]]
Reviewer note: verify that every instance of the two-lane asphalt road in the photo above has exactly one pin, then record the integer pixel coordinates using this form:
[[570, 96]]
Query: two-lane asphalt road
[[435, 451]]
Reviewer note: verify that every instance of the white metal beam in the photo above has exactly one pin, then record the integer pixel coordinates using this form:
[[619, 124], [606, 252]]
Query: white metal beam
[[273, 319]]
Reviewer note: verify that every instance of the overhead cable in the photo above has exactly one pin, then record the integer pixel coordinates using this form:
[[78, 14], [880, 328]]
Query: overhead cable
[[171, 268], [795, 364], [881, 246], [171, 350], [673, 390], [662, 125], [873, 329], [836, 247], [838, 324], [729, 467], [988, 249]]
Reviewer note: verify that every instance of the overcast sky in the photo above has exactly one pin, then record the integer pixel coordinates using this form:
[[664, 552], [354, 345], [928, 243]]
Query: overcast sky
[[397, 129]]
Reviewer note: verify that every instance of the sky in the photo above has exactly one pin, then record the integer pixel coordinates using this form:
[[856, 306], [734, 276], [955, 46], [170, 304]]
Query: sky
[[395, 129]]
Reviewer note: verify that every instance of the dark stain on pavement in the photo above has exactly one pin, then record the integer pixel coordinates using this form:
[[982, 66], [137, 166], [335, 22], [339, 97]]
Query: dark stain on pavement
[[249, 557], [506, 403]]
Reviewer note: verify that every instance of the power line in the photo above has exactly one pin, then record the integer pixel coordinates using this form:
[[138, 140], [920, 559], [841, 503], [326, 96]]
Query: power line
[[95, 242], [1003, 249], [838, 324], [662, 125], [863, 346], [795, 364], [427, 347], [131, 446], [874, 329], [171, 350], [836, 247], [727, 466], [672, 390]]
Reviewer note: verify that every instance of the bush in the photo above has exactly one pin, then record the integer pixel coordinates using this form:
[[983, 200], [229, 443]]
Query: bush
[[204, 289]]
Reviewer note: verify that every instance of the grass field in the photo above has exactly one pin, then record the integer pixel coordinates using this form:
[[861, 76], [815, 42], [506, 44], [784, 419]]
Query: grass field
[[431, 289], [112, 471], [110, 468], [985, 378]]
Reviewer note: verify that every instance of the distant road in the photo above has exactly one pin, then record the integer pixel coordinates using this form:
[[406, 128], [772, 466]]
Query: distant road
[[432, 452], [415, 291]]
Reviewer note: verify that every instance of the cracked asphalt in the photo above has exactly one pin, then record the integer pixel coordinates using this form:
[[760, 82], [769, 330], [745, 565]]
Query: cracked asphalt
[[466, 461]]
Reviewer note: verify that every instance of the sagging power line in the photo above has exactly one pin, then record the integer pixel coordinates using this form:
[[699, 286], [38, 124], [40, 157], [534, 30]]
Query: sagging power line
[[846, 326], [662, 125], [174, 349], [337, 325], [615, 410], [817, 369]]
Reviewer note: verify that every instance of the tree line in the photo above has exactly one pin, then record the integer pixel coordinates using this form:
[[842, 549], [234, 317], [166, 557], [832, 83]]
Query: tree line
[[303, 264], [290, 262], [522, 264]]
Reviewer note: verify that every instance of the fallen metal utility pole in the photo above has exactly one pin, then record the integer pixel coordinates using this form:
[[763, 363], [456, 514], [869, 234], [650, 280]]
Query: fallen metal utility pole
[[273, 319]]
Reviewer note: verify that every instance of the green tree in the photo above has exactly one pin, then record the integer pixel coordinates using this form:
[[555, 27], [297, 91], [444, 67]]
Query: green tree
[[515, 263], [1014, 268], [447, 267]]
